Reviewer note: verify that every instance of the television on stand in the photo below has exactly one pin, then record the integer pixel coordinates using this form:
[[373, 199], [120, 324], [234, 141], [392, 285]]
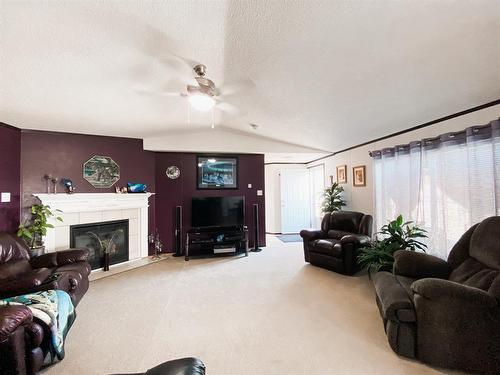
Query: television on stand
[[217, 227], [218, 212]]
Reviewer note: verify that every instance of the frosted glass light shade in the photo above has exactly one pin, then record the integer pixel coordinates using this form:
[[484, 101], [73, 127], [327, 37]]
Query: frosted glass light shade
[[201, 102]]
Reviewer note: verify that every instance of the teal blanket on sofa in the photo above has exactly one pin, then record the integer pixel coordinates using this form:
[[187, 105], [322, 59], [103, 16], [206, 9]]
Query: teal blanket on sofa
[[55, 309]]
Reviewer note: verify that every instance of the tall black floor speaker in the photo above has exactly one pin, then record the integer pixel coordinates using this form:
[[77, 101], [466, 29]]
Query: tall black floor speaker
[[256, 247], [178, 231]]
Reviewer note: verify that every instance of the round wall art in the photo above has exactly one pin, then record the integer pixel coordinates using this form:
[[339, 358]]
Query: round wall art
[[173, 172]]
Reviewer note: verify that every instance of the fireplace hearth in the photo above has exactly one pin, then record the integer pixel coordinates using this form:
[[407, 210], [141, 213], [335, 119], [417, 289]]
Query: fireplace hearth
[[99, 238]]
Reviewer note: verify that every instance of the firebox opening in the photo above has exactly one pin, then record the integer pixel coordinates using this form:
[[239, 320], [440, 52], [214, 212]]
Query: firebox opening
[[109, 236]]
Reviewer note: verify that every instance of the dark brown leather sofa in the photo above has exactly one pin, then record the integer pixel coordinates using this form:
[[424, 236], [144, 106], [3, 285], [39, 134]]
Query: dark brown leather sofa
[[447, 313], [23, 341], [335, 246], [182, 366]]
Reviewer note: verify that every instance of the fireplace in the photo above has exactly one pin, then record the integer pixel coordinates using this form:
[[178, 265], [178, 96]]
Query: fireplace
[[111, 236]]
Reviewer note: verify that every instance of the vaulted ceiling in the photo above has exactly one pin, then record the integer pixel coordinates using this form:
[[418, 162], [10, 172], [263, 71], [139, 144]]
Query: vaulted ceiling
[[327, 74]]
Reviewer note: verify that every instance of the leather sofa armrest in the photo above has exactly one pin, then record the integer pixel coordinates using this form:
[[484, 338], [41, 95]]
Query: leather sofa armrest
[[60, 258], [72, 256], [357, 239], [312, 234], [442, 291], [55, 281], [420, 265], [11, 318], [26, 283]]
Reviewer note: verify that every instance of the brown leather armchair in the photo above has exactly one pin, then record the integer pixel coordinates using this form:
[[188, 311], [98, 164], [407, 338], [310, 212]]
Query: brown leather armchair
[[335, 246], [447, 313], [23, 341]]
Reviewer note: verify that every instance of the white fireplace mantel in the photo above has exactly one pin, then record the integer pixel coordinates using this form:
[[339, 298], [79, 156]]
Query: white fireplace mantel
[[86, 208]]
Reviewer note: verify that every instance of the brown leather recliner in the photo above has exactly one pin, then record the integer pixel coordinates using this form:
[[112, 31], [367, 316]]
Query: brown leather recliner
[[23, 341], [335, 246], [447, 313], [182, 366]]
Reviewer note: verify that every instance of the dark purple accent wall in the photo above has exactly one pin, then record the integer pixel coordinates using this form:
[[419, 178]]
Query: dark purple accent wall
[[29, 155], [10, 179], [171, 193], [63, 154]]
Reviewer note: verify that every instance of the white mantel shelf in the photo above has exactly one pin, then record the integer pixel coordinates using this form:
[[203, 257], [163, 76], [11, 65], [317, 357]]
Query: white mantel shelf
[[86, 208], [85, 202]]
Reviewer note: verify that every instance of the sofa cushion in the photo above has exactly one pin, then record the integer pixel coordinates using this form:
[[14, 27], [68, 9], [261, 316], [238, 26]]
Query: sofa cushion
[[328, 247], [12, 248], [325, 223], [484, 243], [475, 274], [337, 234], [495, 288], [346, 221], [11, 270]]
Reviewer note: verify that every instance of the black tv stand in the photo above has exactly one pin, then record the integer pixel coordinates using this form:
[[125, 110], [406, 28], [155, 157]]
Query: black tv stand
[[216, 241]]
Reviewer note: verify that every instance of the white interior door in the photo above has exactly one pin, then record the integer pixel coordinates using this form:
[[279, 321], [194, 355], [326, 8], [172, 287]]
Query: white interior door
[[295, 200]]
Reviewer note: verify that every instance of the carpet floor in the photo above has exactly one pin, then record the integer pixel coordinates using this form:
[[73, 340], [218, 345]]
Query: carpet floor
[[270, 313]]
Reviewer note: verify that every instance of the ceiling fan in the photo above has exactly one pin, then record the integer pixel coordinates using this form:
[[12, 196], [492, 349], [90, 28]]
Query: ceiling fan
[[201, 92], [203, 96]]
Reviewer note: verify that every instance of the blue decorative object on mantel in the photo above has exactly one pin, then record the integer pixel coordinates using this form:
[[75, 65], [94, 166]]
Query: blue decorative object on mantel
[[136, 188], [68, 184]]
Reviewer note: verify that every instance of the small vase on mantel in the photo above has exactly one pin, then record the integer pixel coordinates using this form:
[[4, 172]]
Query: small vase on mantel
[[106, 261]]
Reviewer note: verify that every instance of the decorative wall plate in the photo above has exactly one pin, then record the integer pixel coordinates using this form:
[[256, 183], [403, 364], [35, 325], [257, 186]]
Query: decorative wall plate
[[173, 172]]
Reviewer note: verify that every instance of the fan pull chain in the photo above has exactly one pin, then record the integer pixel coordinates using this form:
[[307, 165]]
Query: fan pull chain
[[213, 118]]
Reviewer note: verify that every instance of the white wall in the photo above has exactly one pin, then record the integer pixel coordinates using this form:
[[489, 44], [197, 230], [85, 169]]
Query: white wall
[[361, 198], [273, 194]]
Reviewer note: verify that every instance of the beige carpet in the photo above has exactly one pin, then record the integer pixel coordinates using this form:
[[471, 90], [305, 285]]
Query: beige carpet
[[270, 313]]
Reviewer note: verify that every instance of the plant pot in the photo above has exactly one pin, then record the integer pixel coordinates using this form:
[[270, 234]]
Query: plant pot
[[37, 251]]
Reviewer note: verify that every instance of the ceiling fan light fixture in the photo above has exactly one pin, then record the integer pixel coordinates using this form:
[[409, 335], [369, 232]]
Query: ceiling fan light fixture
[[201, 102]]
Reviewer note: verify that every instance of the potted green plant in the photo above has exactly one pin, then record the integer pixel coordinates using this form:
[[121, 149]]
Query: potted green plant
[[396, 235], [333, 198], [33, 230]]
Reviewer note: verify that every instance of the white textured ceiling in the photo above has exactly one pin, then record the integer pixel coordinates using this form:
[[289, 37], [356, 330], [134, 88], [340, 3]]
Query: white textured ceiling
[[328, 74]]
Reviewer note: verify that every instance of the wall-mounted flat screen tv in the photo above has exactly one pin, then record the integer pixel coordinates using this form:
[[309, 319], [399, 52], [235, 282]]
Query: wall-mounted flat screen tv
[[217, 212]]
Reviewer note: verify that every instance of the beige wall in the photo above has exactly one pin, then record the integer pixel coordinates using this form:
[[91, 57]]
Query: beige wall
[[361, 198]]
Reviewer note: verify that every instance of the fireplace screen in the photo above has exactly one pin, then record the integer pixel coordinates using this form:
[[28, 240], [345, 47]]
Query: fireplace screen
[[99, 238]]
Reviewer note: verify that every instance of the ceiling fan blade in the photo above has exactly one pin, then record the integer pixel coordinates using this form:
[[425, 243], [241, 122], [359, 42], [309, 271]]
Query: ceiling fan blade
[[237, 86], [182, 70], [229, 108], [160, 93]]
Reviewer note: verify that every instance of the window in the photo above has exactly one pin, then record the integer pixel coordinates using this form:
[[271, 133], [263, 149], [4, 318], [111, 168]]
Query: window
[[445, 184]]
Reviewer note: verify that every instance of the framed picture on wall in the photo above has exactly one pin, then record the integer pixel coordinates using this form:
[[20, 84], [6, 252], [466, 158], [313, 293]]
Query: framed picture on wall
[[216, 172], [101, 171], [342, 174], [359, 176]]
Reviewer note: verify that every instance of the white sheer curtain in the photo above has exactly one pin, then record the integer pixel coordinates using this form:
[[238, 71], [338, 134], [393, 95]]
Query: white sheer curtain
[[444, 184]]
